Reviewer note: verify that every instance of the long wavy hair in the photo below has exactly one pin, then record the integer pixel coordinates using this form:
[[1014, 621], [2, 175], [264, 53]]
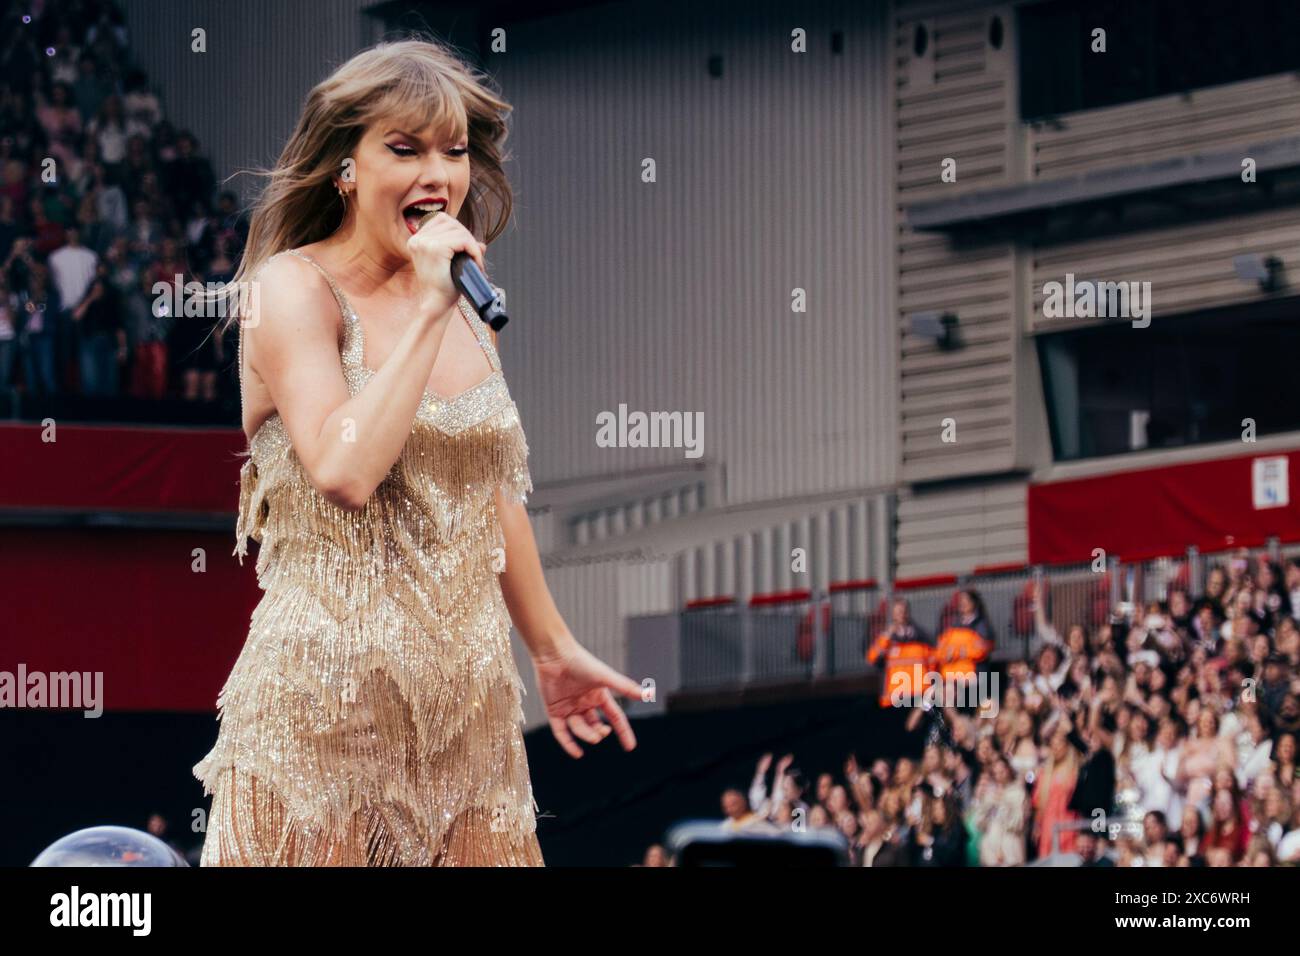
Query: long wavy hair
[[416, 82]]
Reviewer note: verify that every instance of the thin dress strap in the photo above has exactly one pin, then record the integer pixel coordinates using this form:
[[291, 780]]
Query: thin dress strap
[[344, 304], [354, 348], [481, 329], [354, 342]]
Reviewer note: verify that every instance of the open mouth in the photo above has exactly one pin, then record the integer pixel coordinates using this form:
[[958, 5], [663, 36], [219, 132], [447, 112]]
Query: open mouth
[[416, 211]]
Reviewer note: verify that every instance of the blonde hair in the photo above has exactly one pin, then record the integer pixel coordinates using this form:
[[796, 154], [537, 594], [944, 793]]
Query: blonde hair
[[416, 82]]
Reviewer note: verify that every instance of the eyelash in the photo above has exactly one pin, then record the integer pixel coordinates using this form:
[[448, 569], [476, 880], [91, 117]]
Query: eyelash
[[458, 151]]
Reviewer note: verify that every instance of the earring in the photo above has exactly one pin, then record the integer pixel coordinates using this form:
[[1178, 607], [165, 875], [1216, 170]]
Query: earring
[[343, 193]]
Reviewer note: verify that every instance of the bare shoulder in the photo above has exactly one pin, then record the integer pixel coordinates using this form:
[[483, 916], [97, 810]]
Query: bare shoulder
[[294, 366], [293, 303], [286, 280]]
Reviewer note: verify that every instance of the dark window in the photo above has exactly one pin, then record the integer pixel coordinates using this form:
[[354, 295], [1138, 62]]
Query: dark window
[[1153, 48], [1182, 381]]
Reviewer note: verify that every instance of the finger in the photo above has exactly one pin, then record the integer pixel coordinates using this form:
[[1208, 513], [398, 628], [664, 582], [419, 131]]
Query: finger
[[582, 729], [564, 738], [620, 722], [622, 684], [470, 245], [594, 718], [475, 249]]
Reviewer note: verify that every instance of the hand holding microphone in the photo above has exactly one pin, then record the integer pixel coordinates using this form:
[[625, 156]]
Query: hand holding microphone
[[448, 263]]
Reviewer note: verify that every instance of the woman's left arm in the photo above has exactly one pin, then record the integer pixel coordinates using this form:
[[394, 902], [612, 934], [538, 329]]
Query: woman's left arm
[[532, 608], [576, 687]]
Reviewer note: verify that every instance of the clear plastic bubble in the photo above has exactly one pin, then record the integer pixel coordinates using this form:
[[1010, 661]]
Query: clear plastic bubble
[[109, 846]]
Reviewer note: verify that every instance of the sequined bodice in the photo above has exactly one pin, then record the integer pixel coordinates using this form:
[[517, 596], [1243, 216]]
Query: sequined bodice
[[438, 492]]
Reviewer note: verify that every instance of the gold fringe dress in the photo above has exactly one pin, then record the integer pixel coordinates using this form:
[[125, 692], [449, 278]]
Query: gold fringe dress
[[374, 714]]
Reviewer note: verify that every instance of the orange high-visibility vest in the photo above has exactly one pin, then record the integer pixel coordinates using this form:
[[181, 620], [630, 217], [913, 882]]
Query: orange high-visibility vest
[[906, 663], [959, 650]]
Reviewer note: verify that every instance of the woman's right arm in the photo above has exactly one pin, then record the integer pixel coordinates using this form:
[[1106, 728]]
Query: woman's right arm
[[347, 443]]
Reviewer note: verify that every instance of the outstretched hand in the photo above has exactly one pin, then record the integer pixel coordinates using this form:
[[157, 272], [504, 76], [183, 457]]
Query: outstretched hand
[[576, 687]]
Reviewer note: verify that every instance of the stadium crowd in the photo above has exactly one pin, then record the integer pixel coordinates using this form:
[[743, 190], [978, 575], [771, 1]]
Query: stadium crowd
[[101, 198], [1163, 736]]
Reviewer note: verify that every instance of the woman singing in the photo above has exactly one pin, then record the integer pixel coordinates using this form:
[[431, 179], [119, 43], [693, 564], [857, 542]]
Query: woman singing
[[373, 716]]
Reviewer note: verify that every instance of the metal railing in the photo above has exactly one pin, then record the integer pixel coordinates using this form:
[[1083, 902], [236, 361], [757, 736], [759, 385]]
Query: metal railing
[[807, 635]]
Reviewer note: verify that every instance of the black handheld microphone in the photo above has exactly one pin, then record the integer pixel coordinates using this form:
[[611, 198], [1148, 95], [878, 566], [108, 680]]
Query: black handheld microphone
[[488, 301]]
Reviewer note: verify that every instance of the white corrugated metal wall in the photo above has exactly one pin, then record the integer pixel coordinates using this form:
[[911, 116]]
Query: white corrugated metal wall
[[676, 295], [843, 542]]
